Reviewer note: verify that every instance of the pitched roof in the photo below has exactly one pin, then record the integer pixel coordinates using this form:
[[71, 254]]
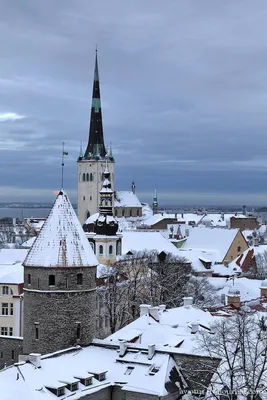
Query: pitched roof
[[126, 199], [61, 241], [130, 372], [140, 241], [218, 239]]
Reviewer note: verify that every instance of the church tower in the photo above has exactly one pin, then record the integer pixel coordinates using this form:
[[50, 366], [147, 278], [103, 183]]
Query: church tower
[[155, 202], [103, 231], [91, 164], [59, 284]]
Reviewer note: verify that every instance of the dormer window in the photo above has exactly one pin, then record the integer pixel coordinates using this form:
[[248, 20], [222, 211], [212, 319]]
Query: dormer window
[[71, 384], [85, 379], [5, 290], [100, 376], [56, 388]]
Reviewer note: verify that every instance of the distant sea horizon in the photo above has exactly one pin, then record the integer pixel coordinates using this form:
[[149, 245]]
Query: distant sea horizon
[[41, 210]]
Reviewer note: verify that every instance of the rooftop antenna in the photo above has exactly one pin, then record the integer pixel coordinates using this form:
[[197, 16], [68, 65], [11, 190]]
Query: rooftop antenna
[[64, 153]]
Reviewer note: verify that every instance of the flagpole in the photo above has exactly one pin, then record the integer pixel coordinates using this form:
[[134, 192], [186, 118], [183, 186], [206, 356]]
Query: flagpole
[[62, 166]]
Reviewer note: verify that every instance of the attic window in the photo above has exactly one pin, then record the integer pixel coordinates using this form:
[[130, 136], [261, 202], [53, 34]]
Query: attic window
[[51, 280], [58, 391], [87, 381], [100, 376], [129, 370], [154, 369]]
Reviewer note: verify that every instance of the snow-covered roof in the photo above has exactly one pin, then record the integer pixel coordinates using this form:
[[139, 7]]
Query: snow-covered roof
[[211, 239], [61, 241], [141, 241], [131, 372], [126, 199], [154, 219], [11, 274], [173, 329], [249, 288], [12, 256], [28, 242]]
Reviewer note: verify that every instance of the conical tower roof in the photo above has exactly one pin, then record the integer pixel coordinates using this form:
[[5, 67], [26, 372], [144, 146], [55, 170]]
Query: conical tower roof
[[61, 241]]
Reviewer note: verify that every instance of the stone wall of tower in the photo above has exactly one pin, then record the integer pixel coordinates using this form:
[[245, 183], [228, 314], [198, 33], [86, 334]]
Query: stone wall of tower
[[58, 316], [88, 190]]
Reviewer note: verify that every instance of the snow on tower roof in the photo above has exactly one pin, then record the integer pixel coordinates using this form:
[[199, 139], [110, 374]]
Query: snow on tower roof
[[61, 241]]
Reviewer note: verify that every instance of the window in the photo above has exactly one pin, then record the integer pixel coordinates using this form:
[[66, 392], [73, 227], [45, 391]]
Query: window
[[11, 332], [122, 212], [3, 331], [101, 249], [83, 198], [29, 279], [51, 280], [238, 248], [66, 283], [60, 391], [38, 282], [110, 249], [84, 177], [90, 198], [4, 308], [78, 331], [137, 212], [36, 331], [1, 355], [79, 279], [115, 212], [12, 354], [11, 308], [5, 290], [91, 177], [131, 212], [87, 177]]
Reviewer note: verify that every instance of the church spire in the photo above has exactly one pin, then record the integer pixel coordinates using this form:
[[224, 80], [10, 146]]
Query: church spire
[[155, 202], [95, 146]]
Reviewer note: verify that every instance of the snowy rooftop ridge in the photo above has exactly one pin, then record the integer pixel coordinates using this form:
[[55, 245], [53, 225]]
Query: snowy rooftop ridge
[[61, 241]]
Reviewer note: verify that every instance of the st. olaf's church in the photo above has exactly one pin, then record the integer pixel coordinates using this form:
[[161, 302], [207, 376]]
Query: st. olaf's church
[[92, 165]]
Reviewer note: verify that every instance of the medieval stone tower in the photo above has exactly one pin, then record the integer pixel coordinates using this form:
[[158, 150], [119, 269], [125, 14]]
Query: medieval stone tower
[[59, 284], [91, 164]]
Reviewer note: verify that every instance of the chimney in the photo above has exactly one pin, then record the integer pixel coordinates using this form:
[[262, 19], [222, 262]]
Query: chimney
[[194, 327], [35, 359], [233, 297], [122, 348], [151, 351], [263, 288], [144, 309], [162, 307], [154, 313], [188, 301], [186, 232]]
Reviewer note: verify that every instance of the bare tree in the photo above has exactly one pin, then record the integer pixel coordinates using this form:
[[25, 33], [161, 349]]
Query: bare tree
[[203, 293], [258, 269], [143, 277], [241, 343]]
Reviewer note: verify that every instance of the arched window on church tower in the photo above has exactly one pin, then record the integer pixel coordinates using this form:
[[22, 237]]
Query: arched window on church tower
[[87, 177], [110, 250], [83, 177], [101, 250], [91, 177]]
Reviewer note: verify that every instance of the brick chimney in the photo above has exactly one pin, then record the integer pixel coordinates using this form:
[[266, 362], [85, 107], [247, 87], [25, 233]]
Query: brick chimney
[[233, 297]]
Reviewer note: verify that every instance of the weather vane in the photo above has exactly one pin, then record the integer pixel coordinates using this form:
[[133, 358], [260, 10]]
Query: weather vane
[[64, 153]]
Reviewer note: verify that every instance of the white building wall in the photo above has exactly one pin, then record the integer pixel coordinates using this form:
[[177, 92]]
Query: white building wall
[[11, 321], [88, 191]]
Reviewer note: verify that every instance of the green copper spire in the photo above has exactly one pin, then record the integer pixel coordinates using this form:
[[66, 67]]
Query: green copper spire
[[96, 146]]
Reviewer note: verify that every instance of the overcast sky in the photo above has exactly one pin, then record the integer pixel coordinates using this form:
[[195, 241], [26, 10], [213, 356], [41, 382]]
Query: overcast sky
[[183, 87]]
